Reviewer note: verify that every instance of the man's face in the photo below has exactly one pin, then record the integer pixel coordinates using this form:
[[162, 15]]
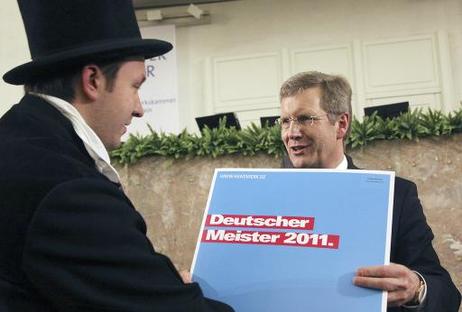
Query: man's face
[[313, 145], [116, 107]]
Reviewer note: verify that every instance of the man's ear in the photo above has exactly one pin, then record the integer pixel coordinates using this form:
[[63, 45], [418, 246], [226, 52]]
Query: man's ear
[[343, 123], [92, 81]]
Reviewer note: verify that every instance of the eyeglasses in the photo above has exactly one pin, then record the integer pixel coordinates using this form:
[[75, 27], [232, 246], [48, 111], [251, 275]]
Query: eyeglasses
[[302, 120]]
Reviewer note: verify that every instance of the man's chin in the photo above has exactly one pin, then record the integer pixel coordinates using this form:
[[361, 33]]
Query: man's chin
[[297, 162], [113, 145], [302, 162]]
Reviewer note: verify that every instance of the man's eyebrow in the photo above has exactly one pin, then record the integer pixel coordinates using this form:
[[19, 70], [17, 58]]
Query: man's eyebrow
[[310, 112]]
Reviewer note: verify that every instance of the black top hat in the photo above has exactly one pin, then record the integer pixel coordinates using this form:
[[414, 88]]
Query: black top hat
[[67, 33]]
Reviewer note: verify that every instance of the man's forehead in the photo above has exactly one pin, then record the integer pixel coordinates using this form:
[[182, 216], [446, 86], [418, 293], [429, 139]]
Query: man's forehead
[[307, 101]]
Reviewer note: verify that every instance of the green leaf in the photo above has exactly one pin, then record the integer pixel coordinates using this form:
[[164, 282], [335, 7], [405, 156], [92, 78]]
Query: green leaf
[[255, 139]]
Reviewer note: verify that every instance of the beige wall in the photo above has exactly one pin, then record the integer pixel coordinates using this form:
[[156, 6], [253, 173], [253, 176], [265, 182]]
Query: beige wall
[[265, 26], [172, 194], [249, 27], [13, 51]]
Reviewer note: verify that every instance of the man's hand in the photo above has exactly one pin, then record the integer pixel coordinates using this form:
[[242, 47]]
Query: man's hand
[[400, 282]]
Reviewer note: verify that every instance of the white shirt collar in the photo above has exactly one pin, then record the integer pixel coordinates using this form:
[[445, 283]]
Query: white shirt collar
[[343, 164], [92, 142]]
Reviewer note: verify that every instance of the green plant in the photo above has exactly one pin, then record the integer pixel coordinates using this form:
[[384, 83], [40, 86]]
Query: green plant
[[408, 126], [366, 131], [388, 127], [435, 123], [255, 139], [455, 121]]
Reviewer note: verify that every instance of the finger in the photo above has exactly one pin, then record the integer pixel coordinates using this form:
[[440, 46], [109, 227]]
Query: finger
[[397, 295], [384, 283], [372, 271], [397, 298], [391, 270]]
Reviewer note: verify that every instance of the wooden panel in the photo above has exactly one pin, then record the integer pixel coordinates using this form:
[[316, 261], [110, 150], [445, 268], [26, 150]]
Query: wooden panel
[[380, 72], [246, 82], [401, 64], [331, 60]]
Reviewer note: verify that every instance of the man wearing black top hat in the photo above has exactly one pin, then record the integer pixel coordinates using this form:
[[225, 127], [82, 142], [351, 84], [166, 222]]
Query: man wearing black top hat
[[70, 240]]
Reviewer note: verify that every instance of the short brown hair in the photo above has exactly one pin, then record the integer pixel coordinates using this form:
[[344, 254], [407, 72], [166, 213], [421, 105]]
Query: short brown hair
[[63, 85]]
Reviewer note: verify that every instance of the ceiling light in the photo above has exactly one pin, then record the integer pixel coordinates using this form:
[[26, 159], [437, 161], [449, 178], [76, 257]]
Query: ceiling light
[[195, 11]]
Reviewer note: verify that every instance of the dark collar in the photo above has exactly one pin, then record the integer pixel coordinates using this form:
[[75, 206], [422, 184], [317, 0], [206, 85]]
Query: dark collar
[[33, 118], [351, 165]]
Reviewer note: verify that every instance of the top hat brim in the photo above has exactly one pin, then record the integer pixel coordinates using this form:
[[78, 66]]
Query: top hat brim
[[111, 50]]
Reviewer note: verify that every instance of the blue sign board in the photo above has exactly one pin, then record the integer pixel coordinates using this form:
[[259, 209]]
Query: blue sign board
[[292, 239]]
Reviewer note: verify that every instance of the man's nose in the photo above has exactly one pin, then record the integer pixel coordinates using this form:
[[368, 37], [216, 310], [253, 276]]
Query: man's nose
[[294, 130], [138, 111]]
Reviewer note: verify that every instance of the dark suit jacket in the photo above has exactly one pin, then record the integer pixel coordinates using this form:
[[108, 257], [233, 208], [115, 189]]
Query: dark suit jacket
[[411, 245], [70, 240]]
